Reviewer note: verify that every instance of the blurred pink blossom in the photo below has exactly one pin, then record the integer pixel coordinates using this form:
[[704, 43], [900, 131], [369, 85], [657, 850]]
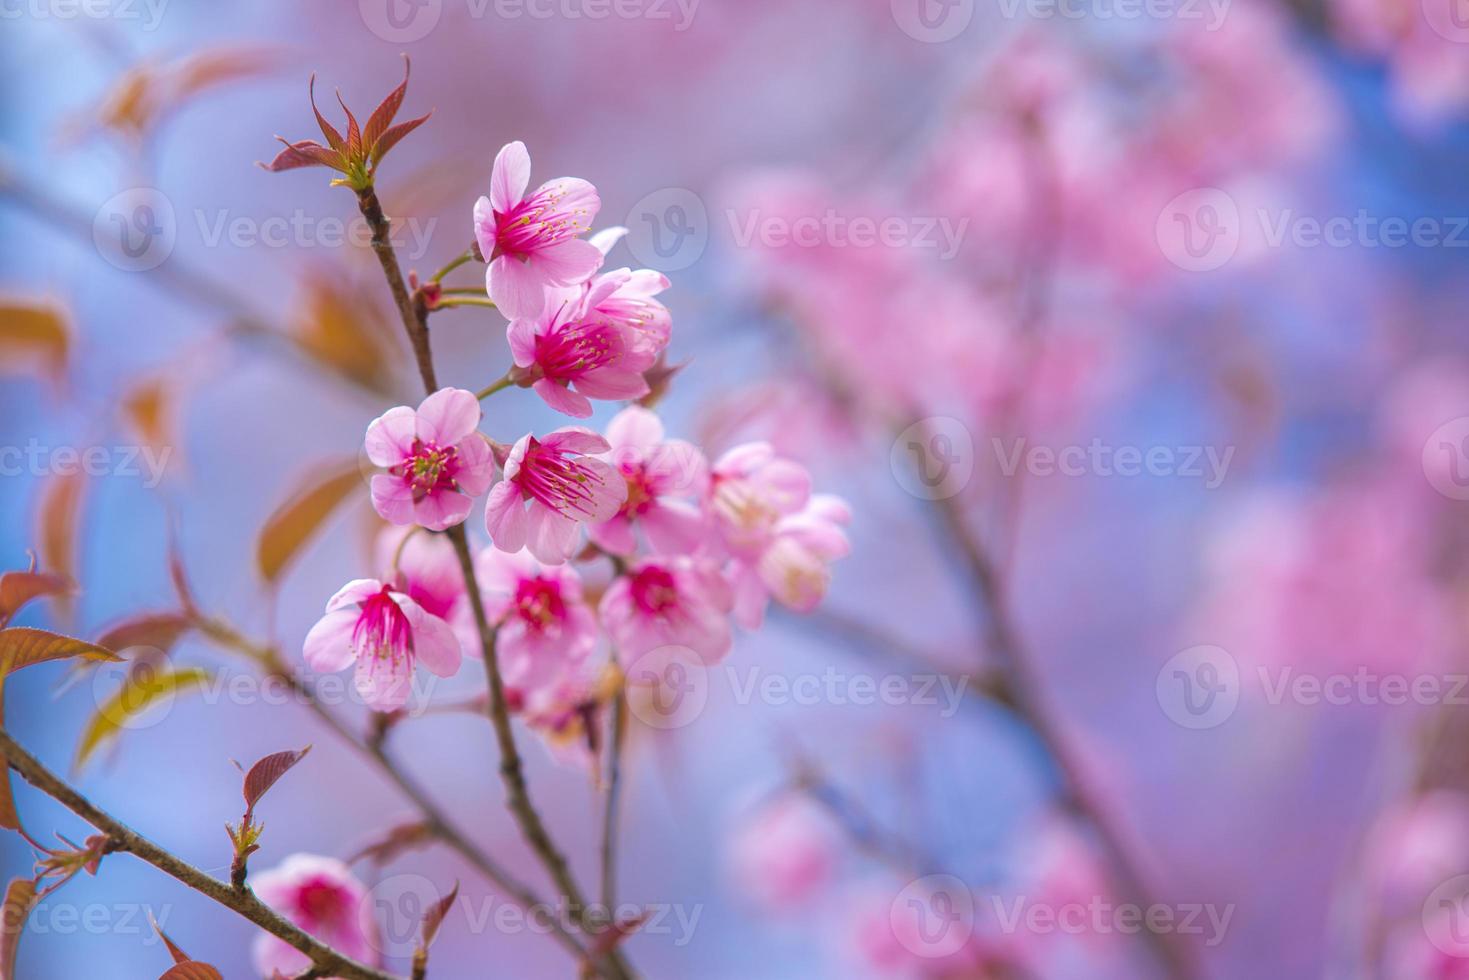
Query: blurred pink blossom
[[784, 852], [674, 601], [660, 474], [321, 895], [545, 626]]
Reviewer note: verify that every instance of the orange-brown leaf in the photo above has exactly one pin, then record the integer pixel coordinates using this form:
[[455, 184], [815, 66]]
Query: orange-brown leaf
[[344, 331], [58, 519], [20, 898], [148, 410], [292, 525], [179, 956], [159, 630], [34, 333], [19, 588], [192, 970], [434, 917], [22, 646]]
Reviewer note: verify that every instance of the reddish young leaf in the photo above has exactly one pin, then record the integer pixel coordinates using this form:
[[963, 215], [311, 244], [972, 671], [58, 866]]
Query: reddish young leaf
[[354, 133], [264, 774], [20, 898], [19, 588], [307, 153], [396, 841], [179, 956], [58, 519], [192, 970], [160, 630], [392, 136], [434, 917], [288, 529], [382, 116], [333, 138]]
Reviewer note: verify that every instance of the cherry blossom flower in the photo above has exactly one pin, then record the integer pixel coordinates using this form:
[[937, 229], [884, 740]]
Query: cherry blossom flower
[[575, 344], [784, 852], [567, 714], [657, 473], [750, 489], [422, 565], [531, 243], [546, 627], [676, 601], [386, 633], [436, 460], [321, 895], [551, 486], [793, 566]]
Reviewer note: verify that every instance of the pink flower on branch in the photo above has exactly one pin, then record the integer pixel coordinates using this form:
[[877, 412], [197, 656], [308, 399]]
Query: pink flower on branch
[[436, 460], [657, 472], [386, 633], [669, 602], [793, 567], [532, 242], [546, 628], [321, 895], [552, 486], [750, 491]]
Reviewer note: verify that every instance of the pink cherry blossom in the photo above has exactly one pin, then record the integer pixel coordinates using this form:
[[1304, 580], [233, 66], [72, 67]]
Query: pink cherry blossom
[[550, 487], [386, 633], [546, 627], [436, 460], [750, 490], [784, 852], [567, 714], [532, 243], [577, 345], [793, 566], [321, 895], [427, 568], [676, 601], [658, 473]]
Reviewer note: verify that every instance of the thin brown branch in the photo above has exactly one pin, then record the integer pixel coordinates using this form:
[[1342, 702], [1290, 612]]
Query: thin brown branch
[[323, 957], [414, 314], [611, 812]]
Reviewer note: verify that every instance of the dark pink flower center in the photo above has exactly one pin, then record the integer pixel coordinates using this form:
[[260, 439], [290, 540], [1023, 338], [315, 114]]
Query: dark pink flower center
[[382, 628], [640, 492], [538, 602], [429, 469], [574, 349], [556, 480], [654, 591], [535, 223], [321, 902]]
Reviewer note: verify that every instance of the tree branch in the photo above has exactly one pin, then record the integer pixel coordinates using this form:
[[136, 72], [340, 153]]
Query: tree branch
[[323, 957]]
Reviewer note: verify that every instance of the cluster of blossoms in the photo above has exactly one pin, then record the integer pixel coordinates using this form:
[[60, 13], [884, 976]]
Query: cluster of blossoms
[[692, 547]]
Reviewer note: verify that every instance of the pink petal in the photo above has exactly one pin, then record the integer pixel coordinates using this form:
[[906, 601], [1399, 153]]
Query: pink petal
[[550, 535], [607, 488], [434, 642], [484, 226], [505, 517], [448, 416], [677, 467], [574, 439], [567, 263], [328, 645], [510, 176], [390, 436], [392, 499], [605, 239], [521, 335], [516, 456], [386, 682], [574, 199], [441, 509], [749, 598], [354, 593], [744, 458], [518, 288], [476, 465], [635, 431], [563, 399], [614, 383], [674, 527], [615, 536]]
